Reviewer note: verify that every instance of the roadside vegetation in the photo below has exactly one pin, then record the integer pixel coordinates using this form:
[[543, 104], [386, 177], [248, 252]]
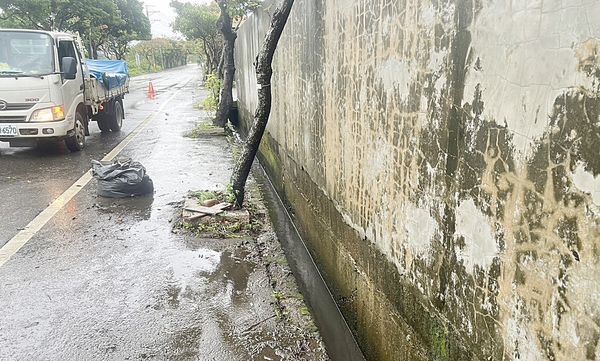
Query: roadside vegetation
[[204, 128], [198, 23], [213, 85]]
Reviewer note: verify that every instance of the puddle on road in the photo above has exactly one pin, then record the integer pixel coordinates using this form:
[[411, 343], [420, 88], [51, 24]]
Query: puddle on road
[[186, 274], [139, 208], [202, 273], [188, 265], [233, 272], [221, 294]]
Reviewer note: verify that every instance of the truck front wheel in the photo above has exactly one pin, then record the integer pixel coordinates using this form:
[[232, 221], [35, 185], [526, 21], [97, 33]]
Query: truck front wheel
[[76, 141]]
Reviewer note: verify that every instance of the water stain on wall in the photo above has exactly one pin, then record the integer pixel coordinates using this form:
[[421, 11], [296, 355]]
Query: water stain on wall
[[459, 139]]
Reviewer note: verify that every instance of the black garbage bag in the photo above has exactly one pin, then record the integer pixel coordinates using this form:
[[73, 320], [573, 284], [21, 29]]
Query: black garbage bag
[[122, 179]]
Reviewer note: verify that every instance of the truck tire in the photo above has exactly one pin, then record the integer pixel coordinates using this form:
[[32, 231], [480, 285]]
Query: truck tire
[[116, 117], [103, 123], [76, 142]]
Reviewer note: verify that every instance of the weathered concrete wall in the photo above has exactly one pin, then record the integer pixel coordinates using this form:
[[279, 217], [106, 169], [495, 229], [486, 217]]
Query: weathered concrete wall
[[442, 159]]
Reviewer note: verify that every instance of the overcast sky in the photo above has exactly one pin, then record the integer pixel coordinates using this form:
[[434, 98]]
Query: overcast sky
[[162, 15]]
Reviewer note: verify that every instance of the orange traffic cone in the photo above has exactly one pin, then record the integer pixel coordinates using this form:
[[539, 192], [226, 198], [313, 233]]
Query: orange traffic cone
[[151, 92]]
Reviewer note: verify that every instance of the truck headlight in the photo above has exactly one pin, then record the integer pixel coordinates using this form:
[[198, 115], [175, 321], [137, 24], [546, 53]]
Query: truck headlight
[[49, 114]]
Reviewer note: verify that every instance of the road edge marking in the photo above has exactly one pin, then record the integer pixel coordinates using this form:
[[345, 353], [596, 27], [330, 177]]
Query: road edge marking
[[23, 236]]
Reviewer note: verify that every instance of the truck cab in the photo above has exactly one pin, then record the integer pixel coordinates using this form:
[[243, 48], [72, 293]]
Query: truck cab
[[43, 79]]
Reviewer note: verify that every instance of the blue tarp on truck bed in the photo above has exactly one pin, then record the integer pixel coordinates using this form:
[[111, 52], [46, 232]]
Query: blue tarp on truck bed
[[111, 73]]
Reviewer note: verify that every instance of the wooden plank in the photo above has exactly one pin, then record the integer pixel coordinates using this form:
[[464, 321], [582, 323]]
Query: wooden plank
[[214, 210], [197, 216], [222, 206], [206, 210]]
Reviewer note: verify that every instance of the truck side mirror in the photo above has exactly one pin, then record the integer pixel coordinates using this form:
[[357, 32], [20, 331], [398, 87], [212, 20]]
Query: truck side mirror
[[69, 67]]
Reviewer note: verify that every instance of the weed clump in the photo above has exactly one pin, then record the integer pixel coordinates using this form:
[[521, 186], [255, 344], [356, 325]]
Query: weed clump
[[233, 223], [213, 84], [204, 128]]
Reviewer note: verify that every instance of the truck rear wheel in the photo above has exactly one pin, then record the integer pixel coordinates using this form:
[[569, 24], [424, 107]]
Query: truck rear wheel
[[116, 117], [112, 118], [76, 141], [103, 123]]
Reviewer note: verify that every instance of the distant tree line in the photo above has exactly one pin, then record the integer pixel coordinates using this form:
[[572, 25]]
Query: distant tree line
[[109, 26], [199, 23], [157, 54]]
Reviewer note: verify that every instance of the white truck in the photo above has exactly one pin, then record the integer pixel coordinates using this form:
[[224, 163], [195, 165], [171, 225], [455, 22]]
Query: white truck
[[47, 92]]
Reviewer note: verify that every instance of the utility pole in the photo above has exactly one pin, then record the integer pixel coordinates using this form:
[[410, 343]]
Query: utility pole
[[91, 45], [149, 15]]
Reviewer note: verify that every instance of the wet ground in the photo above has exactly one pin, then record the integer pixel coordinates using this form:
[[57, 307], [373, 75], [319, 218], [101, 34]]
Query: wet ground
[[116, 279]]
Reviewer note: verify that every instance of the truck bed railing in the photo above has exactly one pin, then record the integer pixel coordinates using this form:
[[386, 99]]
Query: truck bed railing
[[96, 93]]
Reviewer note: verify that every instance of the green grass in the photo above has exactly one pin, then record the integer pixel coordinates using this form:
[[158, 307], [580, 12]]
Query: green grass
[[141, 70], [281, 260], [204, 196], [278, 296], [440, 344], [218, 230], [304, 311], [202, 128], [227, 196]]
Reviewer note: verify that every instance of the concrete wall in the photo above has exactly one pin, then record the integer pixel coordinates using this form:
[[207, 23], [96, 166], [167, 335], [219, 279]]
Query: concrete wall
[[442, 159]]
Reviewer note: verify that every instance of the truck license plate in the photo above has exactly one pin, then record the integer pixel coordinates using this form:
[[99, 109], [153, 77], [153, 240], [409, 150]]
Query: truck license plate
[[8, 130]]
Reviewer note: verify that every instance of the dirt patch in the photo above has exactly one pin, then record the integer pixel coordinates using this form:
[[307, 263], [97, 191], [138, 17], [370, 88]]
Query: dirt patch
[[228, 223]]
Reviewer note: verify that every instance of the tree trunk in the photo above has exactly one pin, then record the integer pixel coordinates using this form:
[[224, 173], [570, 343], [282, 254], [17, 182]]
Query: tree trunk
[[226, 99], [218, 53], [220, 72], [264, 71], [121, 51], [208, 58], [94, 50]]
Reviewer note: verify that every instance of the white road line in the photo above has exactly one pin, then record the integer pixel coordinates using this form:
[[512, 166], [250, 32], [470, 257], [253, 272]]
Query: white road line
[[21, 238]]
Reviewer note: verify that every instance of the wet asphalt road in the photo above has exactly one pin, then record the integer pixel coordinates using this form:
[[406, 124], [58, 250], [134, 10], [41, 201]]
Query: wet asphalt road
[[109, 279], [30, 178]]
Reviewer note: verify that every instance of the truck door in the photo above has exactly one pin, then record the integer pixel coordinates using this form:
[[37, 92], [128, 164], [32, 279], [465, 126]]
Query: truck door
[[71, 88]]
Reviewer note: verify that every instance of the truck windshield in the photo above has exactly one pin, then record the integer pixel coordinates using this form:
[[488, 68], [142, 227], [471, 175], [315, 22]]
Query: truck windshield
[[25, 54]]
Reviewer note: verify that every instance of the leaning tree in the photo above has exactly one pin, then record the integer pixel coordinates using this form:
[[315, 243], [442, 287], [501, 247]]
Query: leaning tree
[[264, 71]]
